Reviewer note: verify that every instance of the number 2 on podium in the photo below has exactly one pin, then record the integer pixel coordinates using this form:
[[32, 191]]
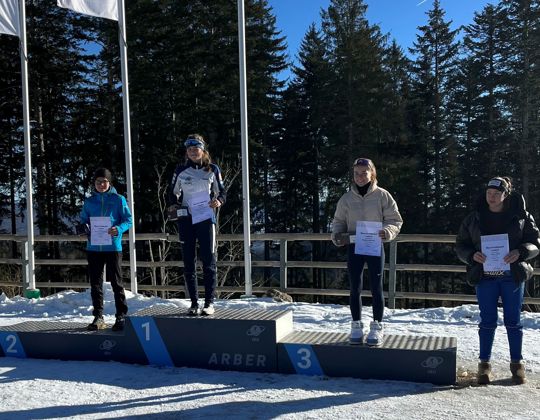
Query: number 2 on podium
[[12, 340]]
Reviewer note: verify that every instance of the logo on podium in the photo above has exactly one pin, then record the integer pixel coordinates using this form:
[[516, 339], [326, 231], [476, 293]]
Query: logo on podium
[[107, 346], [255, 331]]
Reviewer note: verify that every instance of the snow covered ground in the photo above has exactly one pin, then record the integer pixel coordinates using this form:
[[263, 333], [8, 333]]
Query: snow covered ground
[[43, 389]]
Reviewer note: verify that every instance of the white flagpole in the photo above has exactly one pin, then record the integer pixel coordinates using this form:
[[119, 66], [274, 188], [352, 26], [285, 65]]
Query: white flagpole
[[127, 141], [245, 155], [30, 291]]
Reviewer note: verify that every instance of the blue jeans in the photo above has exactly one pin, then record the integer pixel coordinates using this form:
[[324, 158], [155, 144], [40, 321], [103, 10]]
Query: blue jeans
[[355, 266], [488, 292]]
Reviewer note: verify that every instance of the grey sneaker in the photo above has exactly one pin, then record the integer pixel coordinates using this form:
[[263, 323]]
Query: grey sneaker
[[357, 333], [208, 309], [376, 335], [97, 324]]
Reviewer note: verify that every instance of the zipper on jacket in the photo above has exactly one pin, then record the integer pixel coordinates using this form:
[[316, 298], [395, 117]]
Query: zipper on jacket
[[102, 200]]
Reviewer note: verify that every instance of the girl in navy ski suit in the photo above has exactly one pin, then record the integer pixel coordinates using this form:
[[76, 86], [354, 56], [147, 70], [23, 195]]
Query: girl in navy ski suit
[[198, 174]]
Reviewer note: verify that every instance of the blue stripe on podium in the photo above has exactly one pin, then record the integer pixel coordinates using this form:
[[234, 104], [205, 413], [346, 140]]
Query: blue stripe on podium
[[304, 359], [151, 341], [11, 344]]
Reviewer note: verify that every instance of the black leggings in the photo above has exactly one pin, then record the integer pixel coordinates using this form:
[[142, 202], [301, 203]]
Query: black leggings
[[205, 233], [355, 266]]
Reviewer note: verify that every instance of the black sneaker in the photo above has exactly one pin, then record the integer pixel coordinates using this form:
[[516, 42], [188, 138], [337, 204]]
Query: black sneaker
[[119, 324], [193, 310], [97, 324]]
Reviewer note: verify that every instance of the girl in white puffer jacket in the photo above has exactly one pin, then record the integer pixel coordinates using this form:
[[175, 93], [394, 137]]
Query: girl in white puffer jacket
[[365, 201]]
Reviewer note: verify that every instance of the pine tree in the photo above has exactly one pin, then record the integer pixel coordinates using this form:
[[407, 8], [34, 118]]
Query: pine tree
[[11, 136], [484, 130], [356, 53], [521, 90], [434, 70]]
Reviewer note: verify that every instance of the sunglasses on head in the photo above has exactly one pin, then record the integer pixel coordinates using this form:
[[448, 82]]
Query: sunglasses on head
[[194, 142], [362, 162]]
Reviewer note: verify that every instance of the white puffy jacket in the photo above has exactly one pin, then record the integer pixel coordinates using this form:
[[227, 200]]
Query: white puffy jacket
[[377, 205]]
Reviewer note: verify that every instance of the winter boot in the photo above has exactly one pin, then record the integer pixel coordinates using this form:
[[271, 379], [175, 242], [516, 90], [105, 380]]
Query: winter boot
[[485, 376], [518, 372], [97, 324], [376, 335], [357, 333]]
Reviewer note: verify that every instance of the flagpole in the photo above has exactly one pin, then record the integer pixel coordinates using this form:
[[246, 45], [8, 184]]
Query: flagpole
[[30, 268], [127, 141], [245, 153]]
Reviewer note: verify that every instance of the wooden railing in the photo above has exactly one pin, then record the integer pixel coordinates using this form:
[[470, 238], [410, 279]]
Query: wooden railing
[[283, 264]]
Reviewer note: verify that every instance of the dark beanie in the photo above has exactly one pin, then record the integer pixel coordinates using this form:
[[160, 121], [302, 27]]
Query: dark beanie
[[103, 173]]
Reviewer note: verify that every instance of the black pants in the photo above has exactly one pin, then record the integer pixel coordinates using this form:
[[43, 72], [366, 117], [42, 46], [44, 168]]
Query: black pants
[[355, 266], [205, 233], [111, 261]]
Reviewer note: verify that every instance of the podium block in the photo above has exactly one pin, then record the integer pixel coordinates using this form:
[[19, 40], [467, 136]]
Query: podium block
[[406, 358], [243, 340], [70, 341]]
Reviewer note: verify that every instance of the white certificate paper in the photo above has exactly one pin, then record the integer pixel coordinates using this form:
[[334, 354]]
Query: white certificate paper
[[198, 207], [99, 231], [495, 248], [368, 241]]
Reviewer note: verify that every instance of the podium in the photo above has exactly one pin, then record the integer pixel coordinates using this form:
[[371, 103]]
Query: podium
[[400, 357], [69, 341], [241, 340]]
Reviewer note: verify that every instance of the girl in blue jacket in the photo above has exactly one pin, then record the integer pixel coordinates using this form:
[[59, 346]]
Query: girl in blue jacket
[[107, 216]]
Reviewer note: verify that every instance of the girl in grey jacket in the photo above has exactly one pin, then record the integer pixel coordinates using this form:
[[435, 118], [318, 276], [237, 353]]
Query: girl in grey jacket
[[365, 201]]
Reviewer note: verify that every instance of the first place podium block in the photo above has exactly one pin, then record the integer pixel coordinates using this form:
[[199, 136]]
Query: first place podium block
[[243, 340], [405, 358]]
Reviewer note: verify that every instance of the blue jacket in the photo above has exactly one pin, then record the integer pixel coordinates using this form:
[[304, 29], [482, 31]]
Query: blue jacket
[[111, 204]]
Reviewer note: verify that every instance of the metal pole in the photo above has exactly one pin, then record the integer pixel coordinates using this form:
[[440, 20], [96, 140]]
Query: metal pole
[[392, 276], [27, 152], [245, 153], [127, 142], [283, 264]]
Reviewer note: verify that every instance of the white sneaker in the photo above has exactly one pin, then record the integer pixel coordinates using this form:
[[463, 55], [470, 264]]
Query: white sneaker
[[208, 309], [376, 335], [357, 333]]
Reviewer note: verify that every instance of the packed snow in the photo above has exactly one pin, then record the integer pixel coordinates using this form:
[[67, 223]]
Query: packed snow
[[43, 389]]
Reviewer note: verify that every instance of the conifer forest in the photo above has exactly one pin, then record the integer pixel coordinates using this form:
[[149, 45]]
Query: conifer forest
[[438, 120]]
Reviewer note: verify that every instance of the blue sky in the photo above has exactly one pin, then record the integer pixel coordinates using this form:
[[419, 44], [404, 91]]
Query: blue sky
[[400, 18]]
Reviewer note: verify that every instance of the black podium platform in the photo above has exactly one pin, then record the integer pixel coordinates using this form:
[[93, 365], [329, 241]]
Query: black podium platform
[[408, 358], [242, 340], [70, 341]]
